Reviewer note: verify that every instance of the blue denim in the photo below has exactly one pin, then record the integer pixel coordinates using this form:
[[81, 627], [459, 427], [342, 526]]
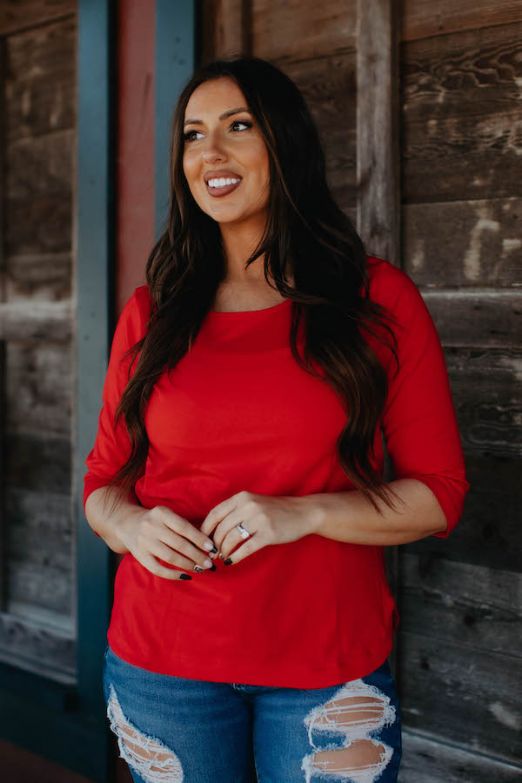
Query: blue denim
[[172, 729]]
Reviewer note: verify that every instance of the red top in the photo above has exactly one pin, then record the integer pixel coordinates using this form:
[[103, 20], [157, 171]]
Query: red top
[[238, 413]]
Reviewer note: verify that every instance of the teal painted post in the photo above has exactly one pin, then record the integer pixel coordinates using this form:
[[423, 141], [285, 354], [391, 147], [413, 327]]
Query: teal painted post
[[95, 272], [175, 61]]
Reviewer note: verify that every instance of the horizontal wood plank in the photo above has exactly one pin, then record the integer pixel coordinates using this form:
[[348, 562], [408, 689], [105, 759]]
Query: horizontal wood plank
[[41, 85], [471, 605], [426, 759], [464, 243], [478, 690], [461, 116], [300, 29], [425, 19], [36, 320], [16, 16]]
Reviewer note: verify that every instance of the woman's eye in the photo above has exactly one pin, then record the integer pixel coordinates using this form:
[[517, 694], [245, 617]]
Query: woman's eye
[[242, 122], [189, 135]]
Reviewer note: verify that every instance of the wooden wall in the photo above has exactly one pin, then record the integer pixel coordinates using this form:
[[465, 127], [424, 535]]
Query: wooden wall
[[38, 41], [460, 128]]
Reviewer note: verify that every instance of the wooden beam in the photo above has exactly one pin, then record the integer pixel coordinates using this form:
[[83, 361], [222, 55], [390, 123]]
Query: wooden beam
[[378, 208], [377, 145]]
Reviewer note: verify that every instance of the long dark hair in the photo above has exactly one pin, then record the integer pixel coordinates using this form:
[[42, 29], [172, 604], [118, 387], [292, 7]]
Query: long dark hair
[[305, 229]]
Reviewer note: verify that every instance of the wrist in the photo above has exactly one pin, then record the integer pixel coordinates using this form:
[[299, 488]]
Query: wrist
[[312, 513], [125, 529]]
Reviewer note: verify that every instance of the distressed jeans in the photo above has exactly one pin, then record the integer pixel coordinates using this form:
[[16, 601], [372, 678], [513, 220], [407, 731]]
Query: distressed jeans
[[172, 729]]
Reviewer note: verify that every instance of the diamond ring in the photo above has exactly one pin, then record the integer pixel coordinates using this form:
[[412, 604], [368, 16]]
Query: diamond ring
[[243, 531]]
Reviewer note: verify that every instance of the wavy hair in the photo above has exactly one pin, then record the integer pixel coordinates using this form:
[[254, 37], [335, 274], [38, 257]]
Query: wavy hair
[[306, 233]]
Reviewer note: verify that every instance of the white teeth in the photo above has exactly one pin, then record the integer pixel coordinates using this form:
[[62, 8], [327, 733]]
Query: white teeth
[[222, 182]]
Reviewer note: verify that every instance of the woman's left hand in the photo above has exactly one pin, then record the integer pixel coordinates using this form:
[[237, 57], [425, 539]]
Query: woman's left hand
[[269, 520]]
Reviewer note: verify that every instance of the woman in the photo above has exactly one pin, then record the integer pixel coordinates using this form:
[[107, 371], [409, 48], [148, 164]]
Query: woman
[[239, 456]]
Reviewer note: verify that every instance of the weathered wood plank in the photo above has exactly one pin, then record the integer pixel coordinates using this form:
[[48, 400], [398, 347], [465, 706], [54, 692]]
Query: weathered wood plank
[[40, 528], [301, 29], [377, 134], [461, 115], [424, 18], [16, 16], [38, 193], [37, 646], [479, 690], [36, 320], [477, 318], [426, 760], [486, 384], [36, 401], [328, 85], [226, 28], [472, 605], [41, 89], [40, 586], [464, 243], [38, 461], [44, 277]]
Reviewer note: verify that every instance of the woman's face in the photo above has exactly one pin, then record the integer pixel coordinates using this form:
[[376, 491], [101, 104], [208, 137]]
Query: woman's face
[[222, 142]]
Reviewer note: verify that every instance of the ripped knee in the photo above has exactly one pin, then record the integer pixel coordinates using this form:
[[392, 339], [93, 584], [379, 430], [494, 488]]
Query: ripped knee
[[356, 710], [149, 757]]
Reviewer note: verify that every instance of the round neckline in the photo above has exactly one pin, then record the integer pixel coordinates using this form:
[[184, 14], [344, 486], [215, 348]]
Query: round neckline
[[228, 313]]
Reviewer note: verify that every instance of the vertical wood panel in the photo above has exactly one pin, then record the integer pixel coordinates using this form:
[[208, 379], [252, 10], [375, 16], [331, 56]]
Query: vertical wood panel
[[377, 142], [378, 206]]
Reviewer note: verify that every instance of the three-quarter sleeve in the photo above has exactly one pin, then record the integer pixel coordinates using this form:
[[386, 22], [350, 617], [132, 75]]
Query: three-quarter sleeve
[[112, 445], [419, 419]]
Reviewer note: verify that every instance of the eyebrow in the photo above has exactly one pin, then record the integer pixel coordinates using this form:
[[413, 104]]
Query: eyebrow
[[223, 116]]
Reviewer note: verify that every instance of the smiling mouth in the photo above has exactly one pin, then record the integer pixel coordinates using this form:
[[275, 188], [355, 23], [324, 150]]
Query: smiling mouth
[[223, 190]]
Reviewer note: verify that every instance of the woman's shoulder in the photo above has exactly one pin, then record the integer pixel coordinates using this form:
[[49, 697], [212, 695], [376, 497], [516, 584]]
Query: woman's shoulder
[[135, 313], [391, 286]]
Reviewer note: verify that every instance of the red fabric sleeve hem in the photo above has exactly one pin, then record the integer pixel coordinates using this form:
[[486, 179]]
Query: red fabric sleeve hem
[[450, 492]]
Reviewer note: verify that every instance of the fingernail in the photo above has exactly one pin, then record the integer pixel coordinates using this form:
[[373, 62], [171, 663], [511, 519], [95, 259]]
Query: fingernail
[[209, 546], [185, 576], [213, 568], [228, 561]]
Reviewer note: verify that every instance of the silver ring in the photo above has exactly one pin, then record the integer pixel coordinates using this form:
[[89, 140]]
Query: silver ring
[[244, 532]]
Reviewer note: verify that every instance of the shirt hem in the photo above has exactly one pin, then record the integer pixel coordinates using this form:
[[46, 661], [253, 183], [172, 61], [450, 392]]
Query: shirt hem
[[238, 673]]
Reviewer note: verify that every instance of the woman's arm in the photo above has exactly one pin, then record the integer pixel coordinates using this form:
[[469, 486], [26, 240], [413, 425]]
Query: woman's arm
[[350, 517], [422, 438], [111, 527]]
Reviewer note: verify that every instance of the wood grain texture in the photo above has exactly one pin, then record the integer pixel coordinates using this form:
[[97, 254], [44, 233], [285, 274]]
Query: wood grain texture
[[426, 19], [377, 139], [40, 89], [464, 243], [480, 318], [462, 116], [35, 645], [302, 29], [465, 603], [469, 695], [229, 28], [16, 16], [426, 760]]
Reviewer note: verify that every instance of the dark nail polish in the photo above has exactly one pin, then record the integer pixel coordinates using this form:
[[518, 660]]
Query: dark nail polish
[[185, 576], [214, 550], [213, 568], [228, 561]]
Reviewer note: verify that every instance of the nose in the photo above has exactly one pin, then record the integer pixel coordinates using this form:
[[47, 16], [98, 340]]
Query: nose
[[212, 150]]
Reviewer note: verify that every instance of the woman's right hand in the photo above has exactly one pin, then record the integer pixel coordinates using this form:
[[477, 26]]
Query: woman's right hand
[[158, 532]]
